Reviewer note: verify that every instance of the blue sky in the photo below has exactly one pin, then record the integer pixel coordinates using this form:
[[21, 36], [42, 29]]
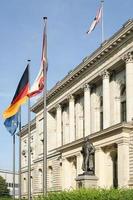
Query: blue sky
[[21, 39]]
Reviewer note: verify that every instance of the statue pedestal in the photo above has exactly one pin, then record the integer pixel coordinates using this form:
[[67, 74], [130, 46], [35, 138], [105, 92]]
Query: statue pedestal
[[86, 181]]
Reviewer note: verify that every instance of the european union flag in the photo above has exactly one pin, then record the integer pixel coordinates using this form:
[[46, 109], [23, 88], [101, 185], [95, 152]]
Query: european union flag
[[11, 124]]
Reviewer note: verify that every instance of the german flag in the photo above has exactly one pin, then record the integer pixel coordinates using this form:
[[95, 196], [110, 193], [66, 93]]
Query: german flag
[[20, 96]]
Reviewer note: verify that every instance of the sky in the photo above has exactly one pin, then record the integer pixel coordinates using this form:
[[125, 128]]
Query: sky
[[21, 27]]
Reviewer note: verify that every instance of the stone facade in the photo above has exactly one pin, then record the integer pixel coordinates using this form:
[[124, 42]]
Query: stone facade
[[95, 100]]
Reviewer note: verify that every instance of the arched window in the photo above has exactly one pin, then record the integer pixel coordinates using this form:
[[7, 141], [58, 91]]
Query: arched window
[[50, 172], [25, 185], [40, 178]]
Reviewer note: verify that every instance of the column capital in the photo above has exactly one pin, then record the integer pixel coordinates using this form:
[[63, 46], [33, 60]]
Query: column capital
[[71, 97], [128, 57], [105, 74], [123, 141], [58, 107], [98, 148], [86, 87]]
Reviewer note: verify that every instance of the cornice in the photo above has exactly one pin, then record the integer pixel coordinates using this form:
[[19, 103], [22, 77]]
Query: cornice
[[100, 54], [121, 127]]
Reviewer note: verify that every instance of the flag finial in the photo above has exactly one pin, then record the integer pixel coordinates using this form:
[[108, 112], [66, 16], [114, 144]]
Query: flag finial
[[45, 18]]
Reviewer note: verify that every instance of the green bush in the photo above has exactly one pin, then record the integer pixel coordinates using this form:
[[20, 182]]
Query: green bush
[[5, 198], [90, 194]]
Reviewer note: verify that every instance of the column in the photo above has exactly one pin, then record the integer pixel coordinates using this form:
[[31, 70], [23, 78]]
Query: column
[[129, 85], [86, 110], [123, 163], [106, 100], [93, 109], [100, 166], [114, 100], [58, 126], [71, 119]]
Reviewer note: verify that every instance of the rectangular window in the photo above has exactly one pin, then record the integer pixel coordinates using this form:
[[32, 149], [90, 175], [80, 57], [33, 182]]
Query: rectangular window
[[123, 111], [101, 120]]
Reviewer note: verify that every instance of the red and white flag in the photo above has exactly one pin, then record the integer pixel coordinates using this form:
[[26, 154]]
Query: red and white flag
[[95, 21], [38, 84]]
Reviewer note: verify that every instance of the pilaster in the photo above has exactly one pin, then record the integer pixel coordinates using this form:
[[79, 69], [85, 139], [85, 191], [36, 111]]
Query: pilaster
[[128, 58], [123, 163], [58, 125], [99, 166]]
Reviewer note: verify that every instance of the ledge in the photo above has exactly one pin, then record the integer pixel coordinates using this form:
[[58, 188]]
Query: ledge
[[103, 133]]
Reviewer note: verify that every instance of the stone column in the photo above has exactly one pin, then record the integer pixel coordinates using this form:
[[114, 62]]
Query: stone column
[[93, 109], [123, 163], [71, 119], [100, 166], [106, 100], [87, 119], [58, 126], [129, 85], [114, 100]]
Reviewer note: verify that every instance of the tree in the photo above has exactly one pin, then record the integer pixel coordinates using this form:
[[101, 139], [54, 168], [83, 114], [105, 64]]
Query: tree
[[4, 191]]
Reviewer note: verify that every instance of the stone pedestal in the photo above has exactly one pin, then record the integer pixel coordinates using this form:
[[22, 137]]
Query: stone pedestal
[[86, 181]]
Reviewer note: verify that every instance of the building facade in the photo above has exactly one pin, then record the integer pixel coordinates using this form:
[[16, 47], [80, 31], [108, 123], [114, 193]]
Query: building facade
[[95, 101], [8, 176]]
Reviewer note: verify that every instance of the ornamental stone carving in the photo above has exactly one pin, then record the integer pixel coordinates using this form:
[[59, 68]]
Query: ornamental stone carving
[[71, 97], [105, 74], [58, 107], [86, 87], [128, 58]]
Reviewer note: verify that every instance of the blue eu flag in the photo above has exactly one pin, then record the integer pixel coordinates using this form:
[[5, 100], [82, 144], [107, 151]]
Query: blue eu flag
[[11, 124]]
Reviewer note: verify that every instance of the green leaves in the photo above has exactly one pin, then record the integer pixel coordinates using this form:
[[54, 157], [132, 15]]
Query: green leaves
[[91, 194], [3, 187]]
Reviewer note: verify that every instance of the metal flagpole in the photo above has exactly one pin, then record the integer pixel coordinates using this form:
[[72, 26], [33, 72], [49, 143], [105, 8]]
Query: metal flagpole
[[29, 158], [102, 2], [45, 113], [20, 154], [14, 167]]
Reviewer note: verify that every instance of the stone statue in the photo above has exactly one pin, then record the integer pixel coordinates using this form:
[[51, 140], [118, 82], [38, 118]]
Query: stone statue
[[88, 157]]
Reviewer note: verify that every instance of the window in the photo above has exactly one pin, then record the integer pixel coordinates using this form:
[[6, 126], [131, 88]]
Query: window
[[123, 111], [101, 112], [123, 102], [101, 120]]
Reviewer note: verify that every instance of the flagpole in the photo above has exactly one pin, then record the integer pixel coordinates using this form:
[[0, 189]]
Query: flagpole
[[29, 158], [102, 5], [45, 118], [20, 154], [13, 166]]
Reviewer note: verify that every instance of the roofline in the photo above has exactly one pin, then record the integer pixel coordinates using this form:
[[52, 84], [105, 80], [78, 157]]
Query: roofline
[[88, 61]]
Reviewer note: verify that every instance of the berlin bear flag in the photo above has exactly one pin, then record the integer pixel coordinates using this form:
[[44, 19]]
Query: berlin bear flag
[[95, 21], [38, 84]]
